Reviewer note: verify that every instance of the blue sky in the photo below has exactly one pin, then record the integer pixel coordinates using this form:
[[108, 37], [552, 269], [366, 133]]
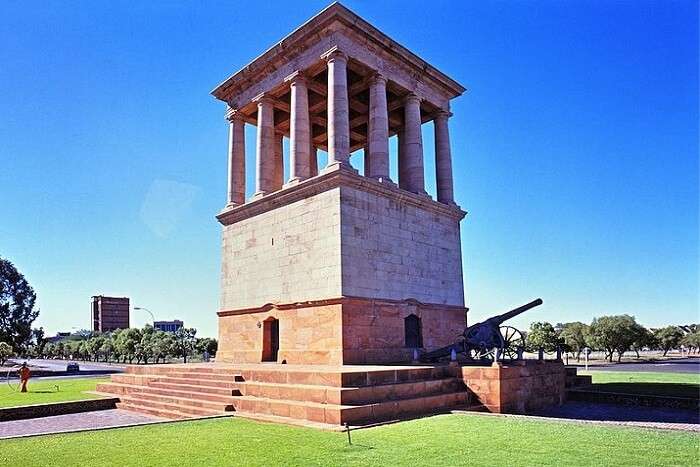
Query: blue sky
[[575, 149]]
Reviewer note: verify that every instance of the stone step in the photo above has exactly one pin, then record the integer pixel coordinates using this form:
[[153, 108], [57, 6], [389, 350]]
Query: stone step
[[199, 388], [135, 399], [119, 389], [226, 378], [195, 401], [226, 384], [351, 396], [336, 414], [148, 410], [347, 378], [166, 369]]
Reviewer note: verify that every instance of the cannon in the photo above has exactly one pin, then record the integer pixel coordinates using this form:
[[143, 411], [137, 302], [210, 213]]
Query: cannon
[[479, 341]]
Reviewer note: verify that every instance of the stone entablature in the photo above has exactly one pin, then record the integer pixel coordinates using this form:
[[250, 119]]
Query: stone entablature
[[336, 26]]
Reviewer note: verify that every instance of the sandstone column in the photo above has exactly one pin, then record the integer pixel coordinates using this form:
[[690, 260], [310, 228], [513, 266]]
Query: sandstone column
[[367, 161], [338, 111], [443, 158], [401, 142], [265, 152], [236, 158], [413, 145], [278, 148], [378, 129], [313, 159], [299, 130]]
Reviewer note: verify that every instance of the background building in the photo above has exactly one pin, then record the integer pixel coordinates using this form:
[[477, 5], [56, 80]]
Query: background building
[[168, 326], [109, 313]]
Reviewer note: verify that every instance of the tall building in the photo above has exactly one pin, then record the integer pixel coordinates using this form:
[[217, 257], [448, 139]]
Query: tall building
[[168, 326], [109, 313]]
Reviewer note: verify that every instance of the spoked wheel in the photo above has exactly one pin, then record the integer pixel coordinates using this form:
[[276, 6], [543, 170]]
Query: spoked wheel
[[512, 339]]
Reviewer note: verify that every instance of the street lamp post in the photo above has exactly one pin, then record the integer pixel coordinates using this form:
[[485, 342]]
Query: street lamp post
[[149, 312]]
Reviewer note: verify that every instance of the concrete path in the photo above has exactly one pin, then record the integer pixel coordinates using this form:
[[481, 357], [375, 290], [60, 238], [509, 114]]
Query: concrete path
[[649, 417], [685, 365], [72, 422]]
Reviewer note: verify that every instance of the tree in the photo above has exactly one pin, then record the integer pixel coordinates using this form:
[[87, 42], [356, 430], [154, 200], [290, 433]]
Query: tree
[[126, 343], [107, 348], [163, 342], [692, 341], [184, 339], [39, 338], [5, 352], [614, 334], [668, 338], [208, 345], [145, 346], [542, 335], [17, 313], [576, 336], [643, 338]]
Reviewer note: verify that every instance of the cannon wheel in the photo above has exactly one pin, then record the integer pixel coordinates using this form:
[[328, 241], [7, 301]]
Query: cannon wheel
[[512, 339]]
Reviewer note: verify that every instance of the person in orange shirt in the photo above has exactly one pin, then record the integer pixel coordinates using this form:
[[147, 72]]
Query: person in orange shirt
[[24, 374]]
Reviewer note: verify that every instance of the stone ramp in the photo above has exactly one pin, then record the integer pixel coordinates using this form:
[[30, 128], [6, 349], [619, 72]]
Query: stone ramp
[[334, 396]]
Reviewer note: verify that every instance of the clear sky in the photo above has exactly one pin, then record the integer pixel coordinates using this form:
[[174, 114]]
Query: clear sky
[[575, 149]]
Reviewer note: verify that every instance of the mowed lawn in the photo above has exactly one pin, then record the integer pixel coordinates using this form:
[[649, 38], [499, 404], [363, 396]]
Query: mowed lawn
[[44, 391], [654, 383], [435, 441]]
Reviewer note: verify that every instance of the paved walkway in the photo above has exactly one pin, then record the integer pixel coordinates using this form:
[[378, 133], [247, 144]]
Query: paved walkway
[[72, 422], [649, 417]]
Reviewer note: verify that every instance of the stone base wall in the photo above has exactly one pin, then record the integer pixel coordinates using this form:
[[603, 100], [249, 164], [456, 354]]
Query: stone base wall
[[517, 387], [336, 332], [307, 334], [373, 330]]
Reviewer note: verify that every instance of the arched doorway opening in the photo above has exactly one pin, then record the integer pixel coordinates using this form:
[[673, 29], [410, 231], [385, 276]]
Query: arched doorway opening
[[413, 335], [271, 339]]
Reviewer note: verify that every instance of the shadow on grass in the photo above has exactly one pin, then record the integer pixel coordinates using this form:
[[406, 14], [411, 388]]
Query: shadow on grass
[[691, 391]]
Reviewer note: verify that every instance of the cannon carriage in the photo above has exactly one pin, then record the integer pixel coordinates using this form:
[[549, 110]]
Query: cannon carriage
[[483, 340]]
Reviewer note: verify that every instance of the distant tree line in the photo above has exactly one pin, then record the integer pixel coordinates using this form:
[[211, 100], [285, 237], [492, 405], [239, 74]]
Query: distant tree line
[[132, 345], [613, 335]]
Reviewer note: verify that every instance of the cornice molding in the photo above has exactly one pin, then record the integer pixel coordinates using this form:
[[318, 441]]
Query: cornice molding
[[345, 300], [328, 181]]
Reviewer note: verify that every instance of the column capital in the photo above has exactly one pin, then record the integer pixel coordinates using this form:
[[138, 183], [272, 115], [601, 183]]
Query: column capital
[[334, 54], [233, 115], [442, 114], [377, 78], [411, 97], [262, 98], [297, 76]]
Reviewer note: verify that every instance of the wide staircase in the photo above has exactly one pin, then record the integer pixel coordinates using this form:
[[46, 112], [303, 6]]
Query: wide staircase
[[331, 395]]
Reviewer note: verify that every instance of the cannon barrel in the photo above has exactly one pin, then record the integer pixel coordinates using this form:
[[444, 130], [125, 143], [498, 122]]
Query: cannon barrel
[[515, 312]]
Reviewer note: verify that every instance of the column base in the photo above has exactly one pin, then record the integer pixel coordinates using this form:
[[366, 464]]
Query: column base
[[338, 165], [258, 195], [448, 203], [384, 180], [293, 181], [231, 205]]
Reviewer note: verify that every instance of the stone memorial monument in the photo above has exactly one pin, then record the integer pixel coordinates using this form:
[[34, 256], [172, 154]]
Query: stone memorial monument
[[329, 266], [334, 282]]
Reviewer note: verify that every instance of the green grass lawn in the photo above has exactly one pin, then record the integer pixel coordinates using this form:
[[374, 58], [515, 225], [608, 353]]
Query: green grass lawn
[[44, 391], [654, 383], [439, 440]]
